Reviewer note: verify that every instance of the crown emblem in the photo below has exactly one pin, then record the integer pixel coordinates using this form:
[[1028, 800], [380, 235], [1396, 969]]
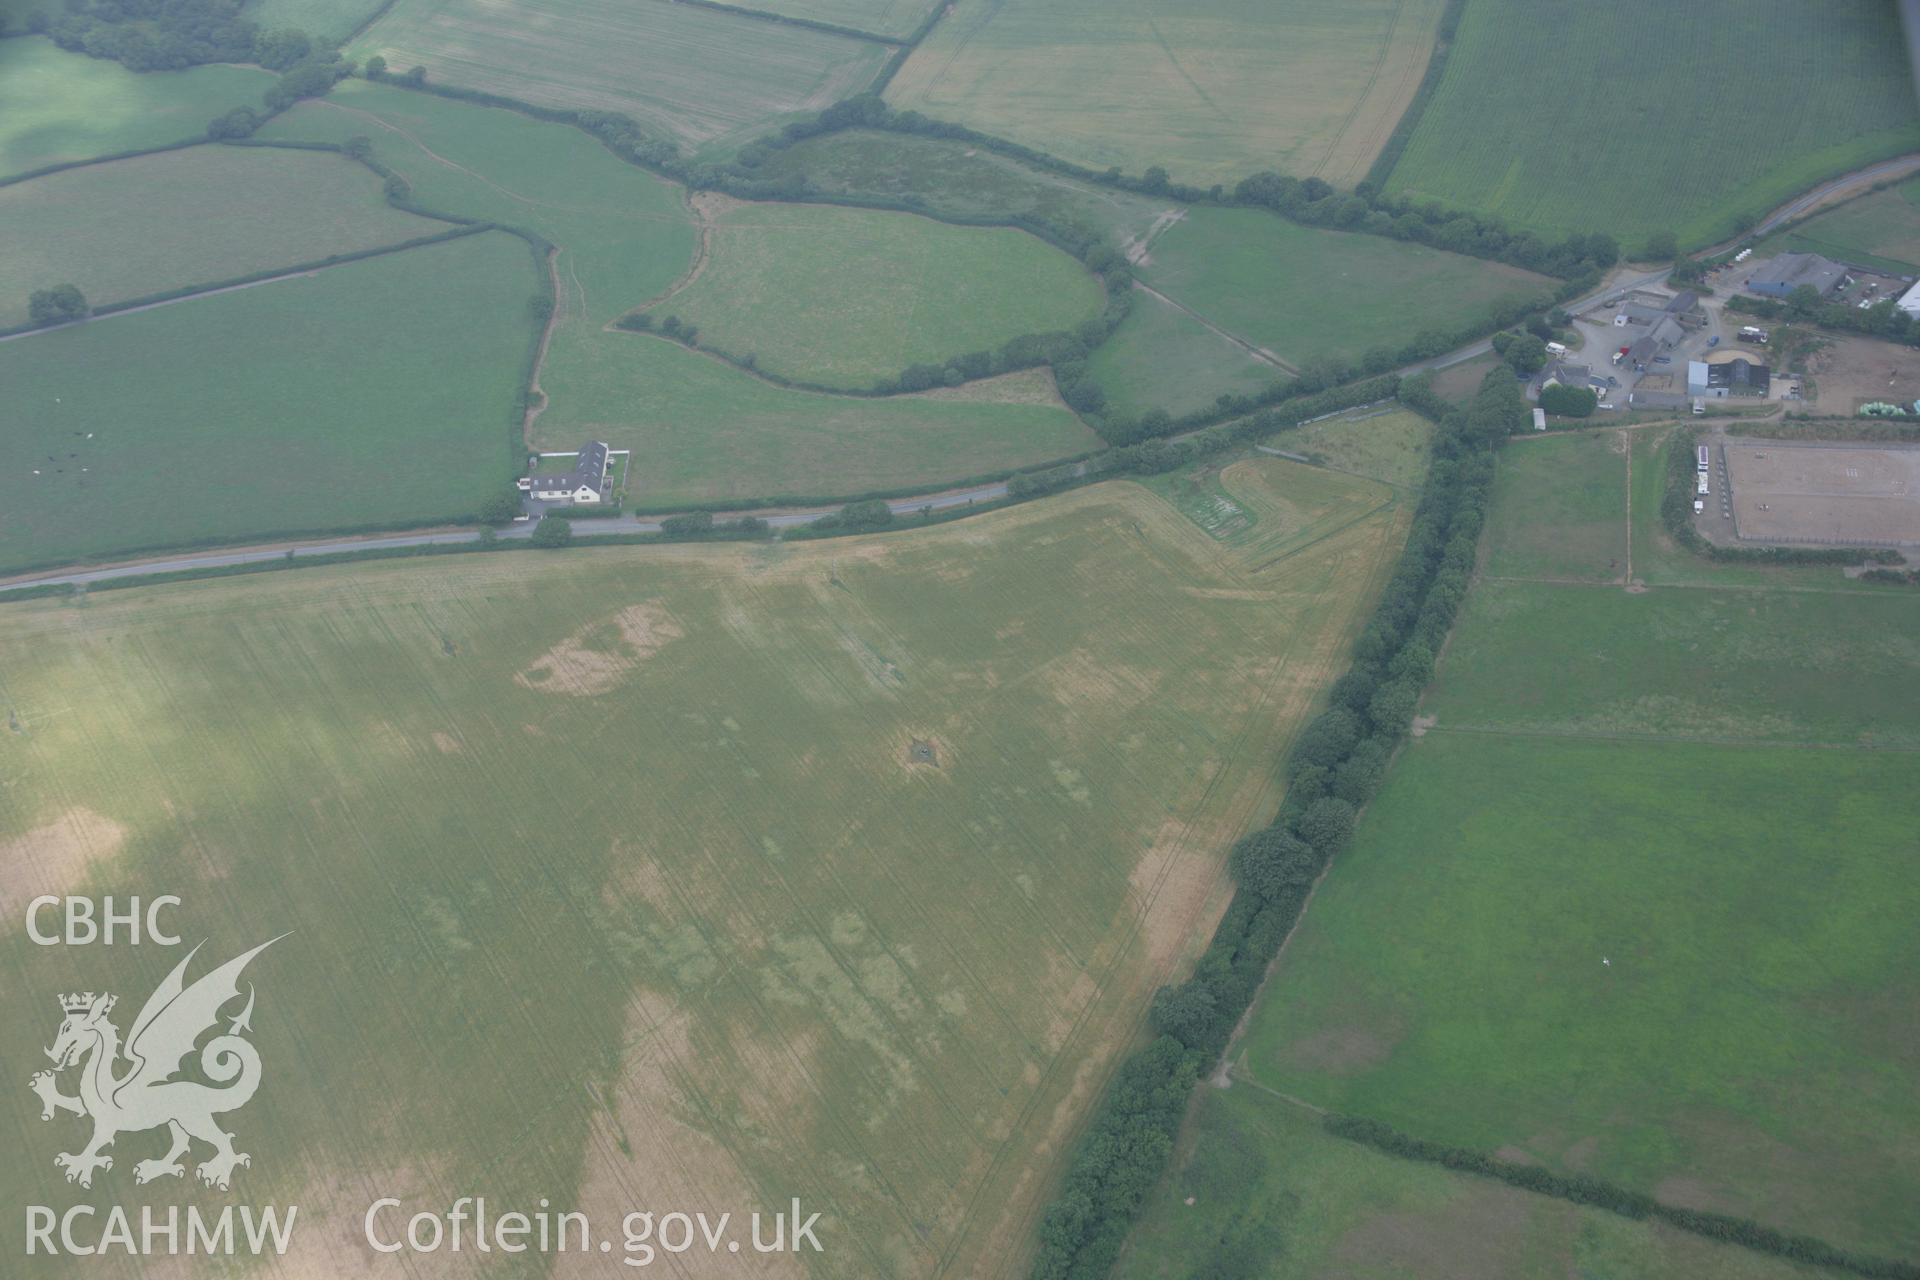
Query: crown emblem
[[80, 1002]]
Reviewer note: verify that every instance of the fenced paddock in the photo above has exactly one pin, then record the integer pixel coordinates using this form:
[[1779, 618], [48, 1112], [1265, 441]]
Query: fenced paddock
[[1820, 493]]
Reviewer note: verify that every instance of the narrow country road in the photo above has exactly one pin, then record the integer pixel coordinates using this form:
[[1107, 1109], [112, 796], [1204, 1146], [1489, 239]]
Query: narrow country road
[[582, 529], [941, 501]]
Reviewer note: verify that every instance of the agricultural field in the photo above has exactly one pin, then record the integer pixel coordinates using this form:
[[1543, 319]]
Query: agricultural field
[[1212, 90], [130, 228], [1560, 508], [1657, 92], [1303, 292], [682, 72], [58, 107], [1163, 358], [897, 18], [850, 297], [327, 19], [1880, 230], [1632, 903], [704, 431], [744, 872], [1394, 445], [1258, 1189], [952, 179], [375, 393]]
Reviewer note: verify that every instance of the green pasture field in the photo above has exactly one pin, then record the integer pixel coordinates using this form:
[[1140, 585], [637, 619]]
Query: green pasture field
[[1560, 508], [850, 297], [624, 235], [1162, 358], [1395, 446], [1303, 292], [683, 72], [1743, 1050], [638, 832], [953, 179], [704, 431], [57, 107], [1458, 382], [1212, 90], [129, 228], [1259, 1189], [1878, 230], [897, 18], [1656, 91], [1810, 667], [327, 19], [701, 431], [279, 407]]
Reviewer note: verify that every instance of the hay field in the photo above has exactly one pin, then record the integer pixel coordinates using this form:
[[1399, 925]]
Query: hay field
[[638, 831], [1211, 90], [896, 18], [1302, 292], [1599, 151], [1706, 786], [57, 107], [685, 73], [378, 392], [849, 297], [129, 228], [1259, 1189]]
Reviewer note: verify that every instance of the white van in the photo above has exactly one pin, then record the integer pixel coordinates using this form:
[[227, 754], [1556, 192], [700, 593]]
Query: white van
[[1557, 348]]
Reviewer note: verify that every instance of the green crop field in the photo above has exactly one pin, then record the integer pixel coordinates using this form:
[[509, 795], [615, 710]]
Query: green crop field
[[280, 407], [636, 839], [1634, 904], [135, 227], [1212, 90], [1813, 667], [1302, 292], [683, 72], [882, 17], [703, 431], [1655, 91], [327, 19], [1878, 230], [1560, 508], [960, 181], [849, 297], [1259, 1191], [1162, 358], [57, 107]]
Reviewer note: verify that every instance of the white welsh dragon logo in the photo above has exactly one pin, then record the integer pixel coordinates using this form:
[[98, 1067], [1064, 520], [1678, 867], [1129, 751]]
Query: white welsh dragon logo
[[146, 1096]]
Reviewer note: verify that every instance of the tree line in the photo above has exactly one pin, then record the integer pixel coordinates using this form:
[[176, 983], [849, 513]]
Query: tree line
[[1334, 768], [169, 35]]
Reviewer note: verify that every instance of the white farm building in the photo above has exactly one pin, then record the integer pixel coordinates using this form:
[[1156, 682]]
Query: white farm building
[[585, 485]]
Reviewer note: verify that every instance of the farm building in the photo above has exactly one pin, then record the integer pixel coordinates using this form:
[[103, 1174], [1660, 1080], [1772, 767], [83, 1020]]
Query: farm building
[[1659, 340], [586, 484], [1789, 271], [1910, 301], [1567, 374], [1734, 377]]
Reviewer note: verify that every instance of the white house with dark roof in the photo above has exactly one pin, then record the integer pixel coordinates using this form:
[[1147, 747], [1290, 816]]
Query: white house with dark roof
[[585, 485]]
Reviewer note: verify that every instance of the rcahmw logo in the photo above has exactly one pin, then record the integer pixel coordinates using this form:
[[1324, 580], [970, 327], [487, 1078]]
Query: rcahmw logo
[[146, 1095]]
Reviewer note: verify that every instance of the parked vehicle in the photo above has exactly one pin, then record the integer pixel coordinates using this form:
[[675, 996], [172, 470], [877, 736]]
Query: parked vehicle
[[1557, 348], [1663, 359], [1714, 341], [1698, 506], [1699, 408]]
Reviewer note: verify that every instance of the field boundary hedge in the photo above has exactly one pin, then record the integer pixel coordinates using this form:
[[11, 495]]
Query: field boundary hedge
[[907, 47], [1333, 766], [1598, 1194]]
